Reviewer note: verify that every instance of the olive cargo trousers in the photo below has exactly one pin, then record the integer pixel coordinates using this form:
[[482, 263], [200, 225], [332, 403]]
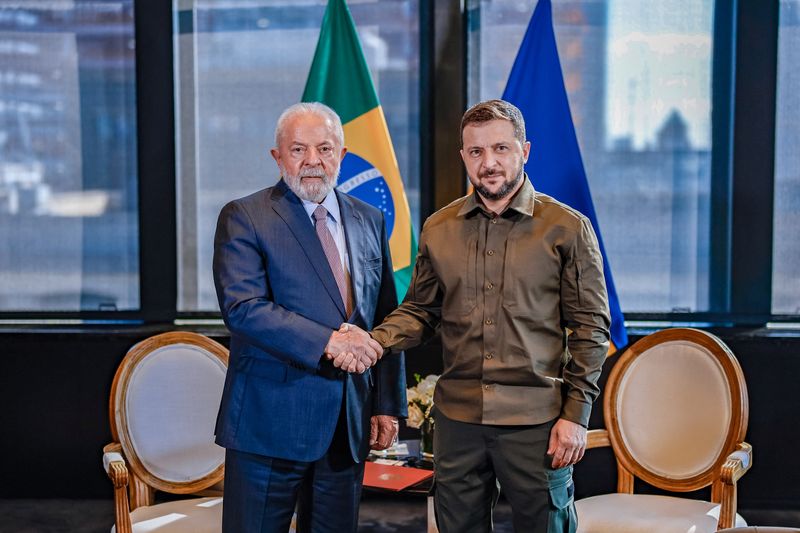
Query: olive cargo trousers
[[472, 462]]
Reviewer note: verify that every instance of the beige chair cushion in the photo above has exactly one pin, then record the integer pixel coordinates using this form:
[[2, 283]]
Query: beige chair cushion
[[674, 409], [638, 513], [172, 401], [195, 515]]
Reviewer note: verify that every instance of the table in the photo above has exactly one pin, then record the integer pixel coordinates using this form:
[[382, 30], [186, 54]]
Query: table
[[423, 487]]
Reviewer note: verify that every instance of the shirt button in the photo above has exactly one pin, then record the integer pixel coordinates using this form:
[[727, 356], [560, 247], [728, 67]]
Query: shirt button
[[490, 252], [490, 286], [489, 355], [494, 221], [489, 322], [487, 387]]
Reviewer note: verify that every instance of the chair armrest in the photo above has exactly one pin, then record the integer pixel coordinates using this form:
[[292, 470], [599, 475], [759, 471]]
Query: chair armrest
[[112, 447], [597, 438], [734, 467], [737, 464], [114, 465]]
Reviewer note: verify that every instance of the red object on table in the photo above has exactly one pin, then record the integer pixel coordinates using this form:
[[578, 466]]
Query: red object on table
[[392, 477]]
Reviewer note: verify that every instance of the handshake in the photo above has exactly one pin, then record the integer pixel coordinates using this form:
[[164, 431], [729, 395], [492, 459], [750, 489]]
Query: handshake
[[352, 349]]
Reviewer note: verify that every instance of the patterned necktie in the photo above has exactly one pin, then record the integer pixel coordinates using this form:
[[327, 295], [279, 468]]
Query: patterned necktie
[[332, 254]]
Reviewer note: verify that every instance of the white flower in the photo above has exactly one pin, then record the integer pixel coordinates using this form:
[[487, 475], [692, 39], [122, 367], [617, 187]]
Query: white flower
[[420, 401], [415, 416], [426, 386], [412, 395]]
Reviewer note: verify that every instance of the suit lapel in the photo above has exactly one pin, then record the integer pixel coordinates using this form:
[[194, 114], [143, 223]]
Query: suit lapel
[[289, 207], [354, 232]]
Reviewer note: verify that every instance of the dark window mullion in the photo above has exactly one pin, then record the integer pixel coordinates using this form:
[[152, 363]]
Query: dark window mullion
[[753, 160], [156, 158], [722, 110]]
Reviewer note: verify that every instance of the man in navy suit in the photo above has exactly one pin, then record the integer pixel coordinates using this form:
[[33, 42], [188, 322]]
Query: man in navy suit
[[300, 269]]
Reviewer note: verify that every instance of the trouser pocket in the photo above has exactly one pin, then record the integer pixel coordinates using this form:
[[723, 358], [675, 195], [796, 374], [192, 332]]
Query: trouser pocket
[[562, 517]]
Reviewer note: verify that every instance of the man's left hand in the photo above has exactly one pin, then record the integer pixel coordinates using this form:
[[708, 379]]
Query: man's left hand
[[567, 443], [382, 431]]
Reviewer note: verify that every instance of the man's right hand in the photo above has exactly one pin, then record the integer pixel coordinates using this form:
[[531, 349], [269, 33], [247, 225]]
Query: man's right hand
[[352, 349]]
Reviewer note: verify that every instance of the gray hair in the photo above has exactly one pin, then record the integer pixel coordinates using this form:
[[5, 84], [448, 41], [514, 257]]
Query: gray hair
[[314, 108], [483, 112]]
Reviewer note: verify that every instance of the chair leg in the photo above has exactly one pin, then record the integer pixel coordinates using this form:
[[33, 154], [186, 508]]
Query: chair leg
[[727, 511]]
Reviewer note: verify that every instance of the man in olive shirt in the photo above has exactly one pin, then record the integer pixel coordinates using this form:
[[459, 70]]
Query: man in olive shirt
[[513, 280]]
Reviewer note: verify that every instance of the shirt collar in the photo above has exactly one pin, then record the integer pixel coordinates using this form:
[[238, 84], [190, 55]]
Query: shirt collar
[[330, 203], [523, 201]]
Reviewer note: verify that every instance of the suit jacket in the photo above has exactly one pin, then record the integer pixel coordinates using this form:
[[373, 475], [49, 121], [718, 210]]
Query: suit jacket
[[280, 301]]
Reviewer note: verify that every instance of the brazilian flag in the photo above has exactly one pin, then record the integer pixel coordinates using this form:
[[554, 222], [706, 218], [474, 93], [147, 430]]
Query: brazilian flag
[[339, 78]]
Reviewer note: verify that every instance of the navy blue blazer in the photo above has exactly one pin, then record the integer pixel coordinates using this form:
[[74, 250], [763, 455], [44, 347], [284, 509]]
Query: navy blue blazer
[[280, 301]]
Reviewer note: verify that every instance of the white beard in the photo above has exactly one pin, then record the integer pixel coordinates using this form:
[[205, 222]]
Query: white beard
[[311, 191]]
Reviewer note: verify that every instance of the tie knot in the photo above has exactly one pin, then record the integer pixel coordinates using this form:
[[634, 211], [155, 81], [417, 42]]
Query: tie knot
[[320, 213]]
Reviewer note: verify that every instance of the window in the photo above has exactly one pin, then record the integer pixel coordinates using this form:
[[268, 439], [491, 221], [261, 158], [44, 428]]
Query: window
[[68, 178], [638, 76], [786, 244], [237, 68]]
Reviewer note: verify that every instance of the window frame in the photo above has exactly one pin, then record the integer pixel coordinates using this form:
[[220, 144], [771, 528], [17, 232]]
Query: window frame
[[743, 115], [156, 179]]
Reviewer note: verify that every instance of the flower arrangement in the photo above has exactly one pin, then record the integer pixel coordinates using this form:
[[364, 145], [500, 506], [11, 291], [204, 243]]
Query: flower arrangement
[[420, 411], [420, 401]]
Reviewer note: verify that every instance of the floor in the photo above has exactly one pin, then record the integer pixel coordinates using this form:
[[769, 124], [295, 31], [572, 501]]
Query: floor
[[379, 514]]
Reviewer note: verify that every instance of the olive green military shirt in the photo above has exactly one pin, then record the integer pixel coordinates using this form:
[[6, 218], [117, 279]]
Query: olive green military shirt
[[503, 290]]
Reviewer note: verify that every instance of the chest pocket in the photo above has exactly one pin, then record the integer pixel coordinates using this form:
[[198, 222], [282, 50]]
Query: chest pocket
[[532, 271]]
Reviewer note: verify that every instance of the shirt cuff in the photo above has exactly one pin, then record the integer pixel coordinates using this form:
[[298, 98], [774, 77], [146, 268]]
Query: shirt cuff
[[577, 412], [378, 337]]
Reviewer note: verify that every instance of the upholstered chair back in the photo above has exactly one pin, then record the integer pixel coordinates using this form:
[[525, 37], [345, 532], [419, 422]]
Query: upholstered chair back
[[164, 403], [677, 408], [674, 410]]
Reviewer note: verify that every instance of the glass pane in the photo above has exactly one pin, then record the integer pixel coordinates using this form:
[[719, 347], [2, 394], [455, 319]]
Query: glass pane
[[237, 68], [68, 179], [786, 244], [638, 76]]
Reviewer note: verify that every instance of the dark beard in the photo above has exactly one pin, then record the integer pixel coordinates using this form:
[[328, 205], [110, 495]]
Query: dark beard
[[502, 192]]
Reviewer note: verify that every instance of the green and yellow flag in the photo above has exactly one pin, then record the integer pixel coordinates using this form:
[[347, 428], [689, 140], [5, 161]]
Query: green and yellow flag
[[340, 79]]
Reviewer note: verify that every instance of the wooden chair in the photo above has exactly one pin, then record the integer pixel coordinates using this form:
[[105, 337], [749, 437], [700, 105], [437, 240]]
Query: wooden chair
[[676, 415], [163, 405]]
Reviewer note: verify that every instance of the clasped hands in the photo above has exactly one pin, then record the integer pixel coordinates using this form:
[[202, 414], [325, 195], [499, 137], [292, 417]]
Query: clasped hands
[[352, 349]]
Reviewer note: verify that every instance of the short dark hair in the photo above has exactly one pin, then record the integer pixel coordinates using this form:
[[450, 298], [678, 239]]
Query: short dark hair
[[495, 110]]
